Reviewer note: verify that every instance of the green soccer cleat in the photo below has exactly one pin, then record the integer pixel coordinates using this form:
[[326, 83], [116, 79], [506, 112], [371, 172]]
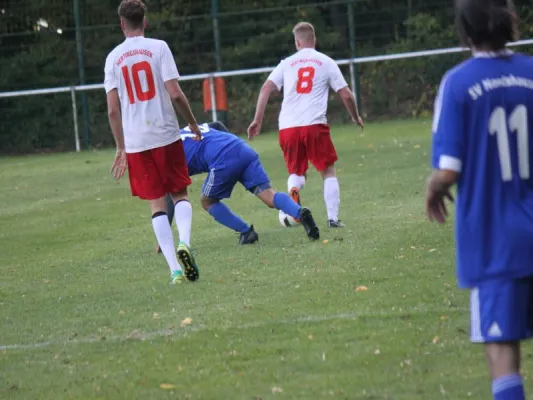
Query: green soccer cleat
[[192, 273], [176, 278]]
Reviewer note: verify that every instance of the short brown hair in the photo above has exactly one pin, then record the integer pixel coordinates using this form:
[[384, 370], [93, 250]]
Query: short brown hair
[[133, 12], [304, 31]]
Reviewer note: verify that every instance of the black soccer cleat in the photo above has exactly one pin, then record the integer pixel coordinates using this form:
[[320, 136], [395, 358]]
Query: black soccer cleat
[[249, 237], [309, 224], [335, 224]]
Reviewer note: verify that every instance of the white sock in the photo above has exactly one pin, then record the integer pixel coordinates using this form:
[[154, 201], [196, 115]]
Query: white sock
[[302, 182], [163, 233], [295, 181], [183, 216], [332, 197]]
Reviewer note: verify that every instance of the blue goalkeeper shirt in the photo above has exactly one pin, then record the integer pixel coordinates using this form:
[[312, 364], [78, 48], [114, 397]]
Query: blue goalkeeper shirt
[[483, 129], [209, 152]]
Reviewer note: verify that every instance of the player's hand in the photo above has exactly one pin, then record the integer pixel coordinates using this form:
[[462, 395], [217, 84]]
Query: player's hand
[[254, 129], [436, 204], [359, 121], [118, 169], [196, 130]]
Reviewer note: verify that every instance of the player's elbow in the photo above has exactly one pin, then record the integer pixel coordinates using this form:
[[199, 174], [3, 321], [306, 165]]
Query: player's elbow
[[176, 95], [346, 94], [113, 113], [268, 87], [175, 92]]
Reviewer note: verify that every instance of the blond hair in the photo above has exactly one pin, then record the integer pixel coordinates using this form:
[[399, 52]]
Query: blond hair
[[304, 32]]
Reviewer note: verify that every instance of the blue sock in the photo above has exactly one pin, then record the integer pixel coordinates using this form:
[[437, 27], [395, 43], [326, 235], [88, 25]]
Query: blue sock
[[283, 202], [509, 387], [223, 215]]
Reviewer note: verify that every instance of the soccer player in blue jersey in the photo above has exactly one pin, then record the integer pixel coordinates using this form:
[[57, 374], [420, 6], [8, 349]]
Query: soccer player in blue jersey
[[483, 139], [227, 160]]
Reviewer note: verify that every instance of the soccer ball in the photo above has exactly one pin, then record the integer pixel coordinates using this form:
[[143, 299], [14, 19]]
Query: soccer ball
[[286, 220]]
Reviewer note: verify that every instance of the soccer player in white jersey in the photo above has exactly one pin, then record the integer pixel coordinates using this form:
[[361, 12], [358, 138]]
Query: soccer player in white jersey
[[483, 142], [141, 82], [304, 135]]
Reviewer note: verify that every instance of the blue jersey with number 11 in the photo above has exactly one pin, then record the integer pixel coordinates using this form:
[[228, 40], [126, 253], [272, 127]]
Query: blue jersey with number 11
[[483, 129]]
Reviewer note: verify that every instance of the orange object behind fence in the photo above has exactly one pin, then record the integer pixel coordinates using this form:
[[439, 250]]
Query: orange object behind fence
[[220, 95]]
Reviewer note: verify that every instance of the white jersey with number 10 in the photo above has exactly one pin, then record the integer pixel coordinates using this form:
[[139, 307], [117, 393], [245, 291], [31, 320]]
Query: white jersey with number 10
[[306, 77], [138, 68]]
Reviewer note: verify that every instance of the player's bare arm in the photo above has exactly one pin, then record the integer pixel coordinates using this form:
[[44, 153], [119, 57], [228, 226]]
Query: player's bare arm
[[115, 121], [350, 103], [264, 95], [182, 105], [437, 191]]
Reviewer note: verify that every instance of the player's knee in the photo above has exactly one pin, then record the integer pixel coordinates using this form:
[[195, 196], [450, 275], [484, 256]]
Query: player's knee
[[503, 358], [180, 196], [158, 205], [267, 197], [329, 172], [207, 202]]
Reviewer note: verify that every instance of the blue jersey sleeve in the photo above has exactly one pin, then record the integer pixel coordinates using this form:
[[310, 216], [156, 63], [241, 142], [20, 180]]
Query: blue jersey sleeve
[[448, 127]]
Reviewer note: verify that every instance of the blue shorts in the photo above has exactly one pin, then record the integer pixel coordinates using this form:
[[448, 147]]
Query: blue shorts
[[240, 164], [502, 311]]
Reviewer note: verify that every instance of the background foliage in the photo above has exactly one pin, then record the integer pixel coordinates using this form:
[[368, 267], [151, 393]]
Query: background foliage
[[253, 34]]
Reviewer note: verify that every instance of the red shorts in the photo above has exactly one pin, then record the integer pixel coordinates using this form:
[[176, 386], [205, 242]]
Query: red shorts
[[156, 172], [307, 143]]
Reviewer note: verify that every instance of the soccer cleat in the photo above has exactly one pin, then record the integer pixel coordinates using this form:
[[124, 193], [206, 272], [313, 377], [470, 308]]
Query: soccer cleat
[[249, 237], [335, 224], [158, 250], [192, 273], [176, 278], [309, 224], [295, 196]]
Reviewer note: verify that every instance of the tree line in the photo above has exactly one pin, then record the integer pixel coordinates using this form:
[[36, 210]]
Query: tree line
[[38, 50]]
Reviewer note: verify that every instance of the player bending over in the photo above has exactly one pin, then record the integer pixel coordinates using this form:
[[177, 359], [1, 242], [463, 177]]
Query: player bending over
[[141, 82], [483, 141], [228, 159], [303, 131]]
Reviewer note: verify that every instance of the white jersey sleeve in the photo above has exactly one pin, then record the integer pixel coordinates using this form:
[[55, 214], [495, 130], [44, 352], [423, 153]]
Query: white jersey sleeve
[[276, 76], [169, 70], [336, 79], [110, 82]]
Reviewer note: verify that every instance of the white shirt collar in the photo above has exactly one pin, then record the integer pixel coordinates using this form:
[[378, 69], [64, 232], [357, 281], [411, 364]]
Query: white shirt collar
[[133, 38], [492, 54]]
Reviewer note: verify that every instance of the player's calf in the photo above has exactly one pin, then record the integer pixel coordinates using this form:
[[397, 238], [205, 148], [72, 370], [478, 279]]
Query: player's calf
[[283, 202], [295, 183], [332, 197], [224, 216], [503, 360]]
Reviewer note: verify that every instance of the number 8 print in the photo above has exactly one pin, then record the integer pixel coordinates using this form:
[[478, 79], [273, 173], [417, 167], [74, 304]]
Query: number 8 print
[[142, 95], [305, 80]]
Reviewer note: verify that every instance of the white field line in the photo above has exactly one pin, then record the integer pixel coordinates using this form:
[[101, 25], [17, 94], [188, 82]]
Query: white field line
[[180, 333]]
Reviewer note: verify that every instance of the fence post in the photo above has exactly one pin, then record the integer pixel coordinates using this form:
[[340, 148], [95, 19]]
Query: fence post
[[354, 74], [75, 118], [81, 70], [213, 98], [216, 33], [218, 58]]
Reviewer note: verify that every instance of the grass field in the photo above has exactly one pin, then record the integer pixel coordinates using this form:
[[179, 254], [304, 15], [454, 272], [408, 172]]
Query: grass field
[[87, 312]]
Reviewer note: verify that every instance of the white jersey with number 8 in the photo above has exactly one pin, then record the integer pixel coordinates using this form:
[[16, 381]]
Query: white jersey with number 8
[[138, 68], [306, 77]]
